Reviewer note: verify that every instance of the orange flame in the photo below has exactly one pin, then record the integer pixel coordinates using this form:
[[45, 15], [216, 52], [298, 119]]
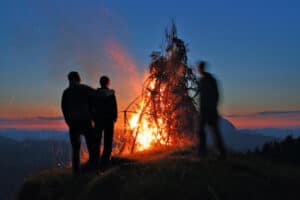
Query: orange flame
[[148, 133]]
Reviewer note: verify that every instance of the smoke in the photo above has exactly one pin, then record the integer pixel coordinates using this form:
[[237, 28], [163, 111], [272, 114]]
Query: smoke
[[128, 78], [92, 47]]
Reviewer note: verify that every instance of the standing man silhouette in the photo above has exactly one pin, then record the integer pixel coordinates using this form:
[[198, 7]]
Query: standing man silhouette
[[106, 112], [209, 99], [76, 106]]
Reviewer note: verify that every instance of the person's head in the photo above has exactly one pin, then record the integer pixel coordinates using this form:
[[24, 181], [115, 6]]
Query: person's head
[[74, 77], [104, 82], [202, 67]]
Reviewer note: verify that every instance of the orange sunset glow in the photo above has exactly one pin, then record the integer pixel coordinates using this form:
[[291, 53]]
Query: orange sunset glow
[[127, 82]]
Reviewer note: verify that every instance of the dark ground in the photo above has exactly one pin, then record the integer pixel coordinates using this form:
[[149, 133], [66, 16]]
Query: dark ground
[[172, 174]]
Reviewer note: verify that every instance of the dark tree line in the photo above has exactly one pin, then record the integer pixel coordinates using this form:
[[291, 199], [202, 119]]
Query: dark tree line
[[287, 150]]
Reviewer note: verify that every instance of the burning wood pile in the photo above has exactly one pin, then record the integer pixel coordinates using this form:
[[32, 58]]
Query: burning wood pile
[[164, 114]]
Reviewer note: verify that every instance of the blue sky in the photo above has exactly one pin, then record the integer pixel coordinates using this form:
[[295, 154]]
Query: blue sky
[[251, 46]]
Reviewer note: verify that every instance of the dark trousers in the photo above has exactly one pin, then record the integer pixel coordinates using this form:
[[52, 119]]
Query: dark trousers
[[210, 117], [75, 133], [105, 127]]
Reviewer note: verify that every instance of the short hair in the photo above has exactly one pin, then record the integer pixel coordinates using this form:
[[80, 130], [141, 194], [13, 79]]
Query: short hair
[[202, 65], [73, 76], [104, 80]]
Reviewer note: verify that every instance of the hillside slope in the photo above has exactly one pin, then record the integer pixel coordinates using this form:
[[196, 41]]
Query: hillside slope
[[171, 175]]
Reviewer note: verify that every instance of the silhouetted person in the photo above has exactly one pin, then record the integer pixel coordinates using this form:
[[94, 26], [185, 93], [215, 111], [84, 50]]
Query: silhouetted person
[[105, 116], [76, 106], [209, 99]]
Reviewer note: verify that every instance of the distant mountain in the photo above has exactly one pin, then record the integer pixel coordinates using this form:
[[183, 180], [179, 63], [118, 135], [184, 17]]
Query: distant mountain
[[23, 134], [273, 132], [20, 159], [5, 141], [241, 140]]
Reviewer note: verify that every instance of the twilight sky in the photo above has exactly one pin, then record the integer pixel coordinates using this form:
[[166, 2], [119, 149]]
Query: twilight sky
[[252, 47]]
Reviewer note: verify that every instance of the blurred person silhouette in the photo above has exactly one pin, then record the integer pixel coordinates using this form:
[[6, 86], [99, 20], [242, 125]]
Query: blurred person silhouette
[[76, 105], [105, 116], [209, 99]]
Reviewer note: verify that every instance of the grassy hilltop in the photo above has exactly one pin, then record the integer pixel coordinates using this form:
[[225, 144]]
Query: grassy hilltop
[[171, 174]]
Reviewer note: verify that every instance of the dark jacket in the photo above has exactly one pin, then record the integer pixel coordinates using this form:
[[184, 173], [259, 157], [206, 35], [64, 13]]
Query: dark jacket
[[77, 104], [105, 105], [209, 92]]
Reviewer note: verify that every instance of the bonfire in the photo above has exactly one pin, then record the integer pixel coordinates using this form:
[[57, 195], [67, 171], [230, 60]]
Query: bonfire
[[165, 111]]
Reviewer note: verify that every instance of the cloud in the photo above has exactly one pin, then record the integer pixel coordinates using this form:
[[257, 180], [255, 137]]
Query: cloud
[[39, 122], [233, 115], [4, 120], [296, 112], [263, 119], [34, 119], [267, 113], [50, 118]]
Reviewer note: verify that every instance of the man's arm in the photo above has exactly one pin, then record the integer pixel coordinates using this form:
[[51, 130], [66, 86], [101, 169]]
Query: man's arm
[[64, 108], [198, 89], [115, 108], [216, 88], [91, 93]]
